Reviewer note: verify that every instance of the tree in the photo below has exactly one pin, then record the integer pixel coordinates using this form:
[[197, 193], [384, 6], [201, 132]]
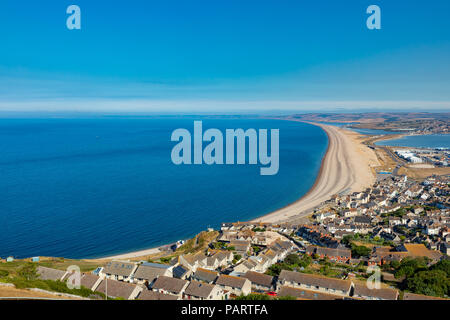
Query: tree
[[347, 239], [409, 266], [443, 265], [28, 271], [274, 270], [305, 261], [360, 251], [292, 259], [433, 283]]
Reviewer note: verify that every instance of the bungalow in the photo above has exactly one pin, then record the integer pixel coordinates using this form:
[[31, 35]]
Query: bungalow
[[45, 273], [118, 270], [147, 273], [153, 295], [90, 281], [260, 281], [235, 285], [202, 291], [314, 283], [302, 294], [169, 285], [363, 292], [119, 289], [205, 275]]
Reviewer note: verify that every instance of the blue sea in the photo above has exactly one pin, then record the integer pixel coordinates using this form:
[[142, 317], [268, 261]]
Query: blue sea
[[421, 141], [91, 187]]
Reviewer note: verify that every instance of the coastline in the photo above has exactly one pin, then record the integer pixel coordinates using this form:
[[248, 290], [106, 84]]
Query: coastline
[[340, 149]]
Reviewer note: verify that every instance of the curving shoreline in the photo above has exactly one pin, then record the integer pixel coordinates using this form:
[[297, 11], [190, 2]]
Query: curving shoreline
[[346, 167]]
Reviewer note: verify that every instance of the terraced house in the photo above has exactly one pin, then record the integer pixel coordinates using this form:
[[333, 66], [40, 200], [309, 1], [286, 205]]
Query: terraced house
[[119, 289], [118, 270], [314, 283], [302, 294], [202, 291], [147, 273], [362, 291], [260, 282], [234, 285], [172, 286], [205, 275]]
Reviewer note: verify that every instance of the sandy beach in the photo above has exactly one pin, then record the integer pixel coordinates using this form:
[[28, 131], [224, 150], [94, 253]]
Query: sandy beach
[[346, 167]]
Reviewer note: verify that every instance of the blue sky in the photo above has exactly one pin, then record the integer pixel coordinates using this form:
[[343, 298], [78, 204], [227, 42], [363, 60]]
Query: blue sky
[[224, 55]]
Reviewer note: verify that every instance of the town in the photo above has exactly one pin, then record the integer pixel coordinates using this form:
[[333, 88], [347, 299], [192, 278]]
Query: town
[[398, 225]]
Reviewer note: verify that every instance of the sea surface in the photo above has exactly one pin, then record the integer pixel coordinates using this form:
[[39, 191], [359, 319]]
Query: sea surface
[[419, 141], [92, 187]]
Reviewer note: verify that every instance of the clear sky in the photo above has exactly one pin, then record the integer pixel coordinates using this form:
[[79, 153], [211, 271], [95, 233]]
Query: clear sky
[[139, 55]]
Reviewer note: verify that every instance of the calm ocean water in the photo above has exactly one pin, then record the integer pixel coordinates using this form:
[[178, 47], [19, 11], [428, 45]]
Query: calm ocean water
[[94, 187], [423, 141]]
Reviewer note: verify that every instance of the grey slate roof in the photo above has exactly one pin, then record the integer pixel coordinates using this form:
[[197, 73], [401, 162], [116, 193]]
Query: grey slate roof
[[230, 281], [119, 268], [199, 289], [315, 280], [150, 271], [361, 290], [205, 275], [45, 273], [306, 294], [153, 295], [169, 284], [116, 289], [259, 278]]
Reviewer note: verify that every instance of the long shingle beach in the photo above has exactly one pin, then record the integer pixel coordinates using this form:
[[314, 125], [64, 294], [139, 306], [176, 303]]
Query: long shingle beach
[[346, 167]]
